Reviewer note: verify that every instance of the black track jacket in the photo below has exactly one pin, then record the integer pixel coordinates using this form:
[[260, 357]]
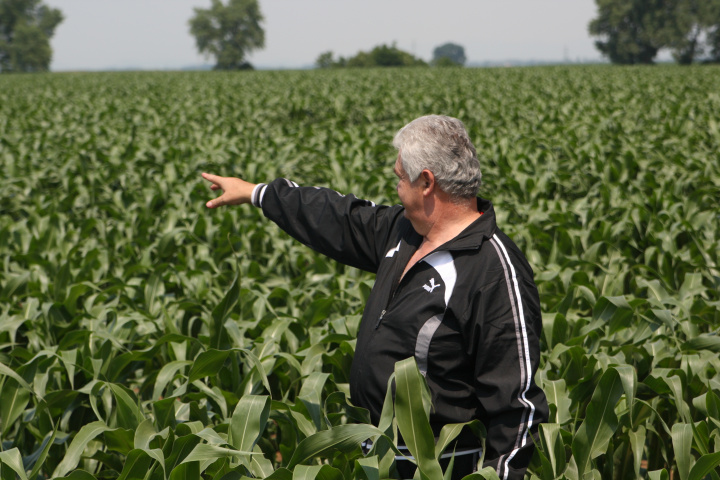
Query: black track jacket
[[468, 312]]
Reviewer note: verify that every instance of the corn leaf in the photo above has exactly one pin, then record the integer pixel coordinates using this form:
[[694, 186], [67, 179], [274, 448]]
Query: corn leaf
[[412, 419]]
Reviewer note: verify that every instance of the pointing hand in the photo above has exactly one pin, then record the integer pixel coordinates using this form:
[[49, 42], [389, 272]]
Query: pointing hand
[[235, 190]]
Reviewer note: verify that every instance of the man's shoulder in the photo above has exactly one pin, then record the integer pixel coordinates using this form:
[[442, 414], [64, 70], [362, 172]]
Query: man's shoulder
[[495, 259]]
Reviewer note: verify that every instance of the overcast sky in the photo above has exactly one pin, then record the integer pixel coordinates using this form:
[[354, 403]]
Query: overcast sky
[[154, 34]]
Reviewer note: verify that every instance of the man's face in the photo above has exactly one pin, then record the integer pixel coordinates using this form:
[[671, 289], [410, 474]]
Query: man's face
[[410, 193]]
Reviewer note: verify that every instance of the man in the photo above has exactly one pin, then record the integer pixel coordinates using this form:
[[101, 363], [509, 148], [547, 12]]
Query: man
[[451, 289]]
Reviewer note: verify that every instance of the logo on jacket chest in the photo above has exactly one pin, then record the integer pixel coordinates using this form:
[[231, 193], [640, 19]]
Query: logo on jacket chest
[[432, 286]]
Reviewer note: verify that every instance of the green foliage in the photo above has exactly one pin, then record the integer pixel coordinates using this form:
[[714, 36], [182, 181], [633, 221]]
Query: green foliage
[[26, 27], [448, 54], [632, 32], [228, 32], [693, 30], [144, 336], [325, 60], [380, 56], [384, 56]]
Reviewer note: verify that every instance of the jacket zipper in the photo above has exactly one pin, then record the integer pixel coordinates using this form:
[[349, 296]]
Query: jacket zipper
[[382, 314], [394, 290]]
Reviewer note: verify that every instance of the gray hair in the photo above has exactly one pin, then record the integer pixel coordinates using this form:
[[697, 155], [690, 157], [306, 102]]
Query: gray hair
[[440, 144]]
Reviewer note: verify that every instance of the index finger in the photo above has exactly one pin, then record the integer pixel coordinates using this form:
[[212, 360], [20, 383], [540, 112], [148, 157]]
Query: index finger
[[212, 178]]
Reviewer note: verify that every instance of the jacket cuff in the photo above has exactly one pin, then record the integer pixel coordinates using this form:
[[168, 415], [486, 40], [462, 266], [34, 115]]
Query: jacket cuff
[[257, 195]]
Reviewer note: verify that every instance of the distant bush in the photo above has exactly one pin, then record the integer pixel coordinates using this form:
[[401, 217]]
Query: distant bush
[[380, 56], [449, 55]]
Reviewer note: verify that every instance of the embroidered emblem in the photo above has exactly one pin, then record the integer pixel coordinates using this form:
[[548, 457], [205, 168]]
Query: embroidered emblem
[[393, 251], [432, 285]]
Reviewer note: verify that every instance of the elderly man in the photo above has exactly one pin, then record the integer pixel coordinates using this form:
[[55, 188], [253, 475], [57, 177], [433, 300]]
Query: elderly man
[[452, 290]]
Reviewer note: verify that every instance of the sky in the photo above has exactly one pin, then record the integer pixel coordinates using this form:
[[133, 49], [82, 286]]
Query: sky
[[154, 34]]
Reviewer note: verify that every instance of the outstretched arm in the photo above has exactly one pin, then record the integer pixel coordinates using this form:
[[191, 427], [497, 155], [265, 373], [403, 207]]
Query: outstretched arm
[[235, 190]]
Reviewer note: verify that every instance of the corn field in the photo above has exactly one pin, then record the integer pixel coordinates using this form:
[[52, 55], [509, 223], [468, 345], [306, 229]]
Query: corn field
[[143, 336]]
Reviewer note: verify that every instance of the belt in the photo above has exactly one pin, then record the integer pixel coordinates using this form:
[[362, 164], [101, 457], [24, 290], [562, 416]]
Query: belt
[[366, 446]]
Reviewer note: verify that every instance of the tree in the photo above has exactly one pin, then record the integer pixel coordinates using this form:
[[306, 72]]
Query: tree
[[631, 30], [448, 54], [380, 56], [228, 32], [325, 60], [384, 56], [713, 43], [26, 27], [693, 29]]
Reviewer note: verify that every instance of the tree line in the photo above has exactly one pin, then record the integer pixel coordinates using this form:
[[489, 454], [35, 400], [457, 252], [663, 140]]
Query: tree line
[[627, 32], [446, 55]]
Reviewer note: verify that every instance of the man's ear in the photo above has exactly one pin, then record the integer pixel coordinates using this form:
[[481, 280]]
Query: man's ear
[[428, 182]]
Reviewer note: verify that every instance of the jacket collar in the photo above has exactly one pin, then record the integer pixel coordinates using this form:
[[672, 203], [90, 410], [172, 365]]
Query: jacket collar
[[474, 234]]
